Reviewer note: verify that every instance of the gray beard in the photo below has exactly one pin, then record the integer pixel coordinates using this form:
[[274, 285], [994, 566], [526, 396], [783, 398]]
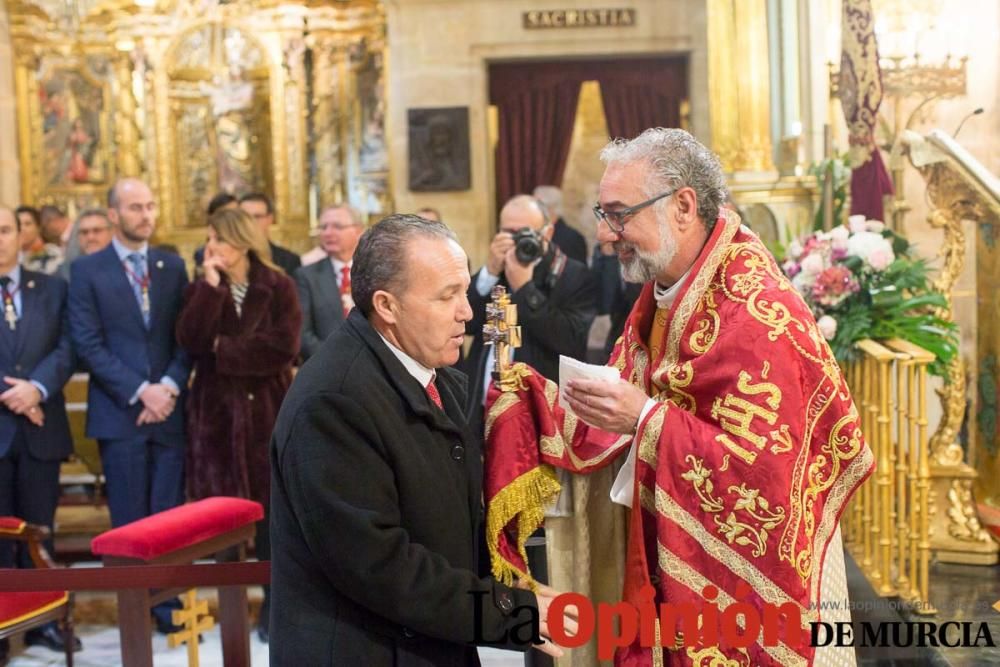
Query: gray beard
[[645, 266]]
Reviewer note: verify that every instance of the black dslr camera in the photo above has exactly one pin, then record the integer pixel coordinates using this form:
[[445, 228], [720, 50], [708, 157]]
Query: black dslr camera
[[528, 245]]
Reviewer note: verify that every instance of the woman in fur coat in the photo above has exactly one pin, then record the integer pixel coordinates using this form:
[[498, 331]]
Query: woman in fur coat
[[240, 324]]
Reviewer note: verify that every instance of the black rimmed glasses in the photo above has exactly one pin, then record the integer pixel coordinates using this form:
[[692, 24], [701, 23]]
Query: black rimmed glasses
[[616, 219]]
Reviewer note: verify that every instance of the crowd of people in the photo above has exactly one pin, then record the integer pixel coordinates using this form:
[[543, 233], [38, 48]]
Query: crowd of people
[[368, 460], [186, 377]]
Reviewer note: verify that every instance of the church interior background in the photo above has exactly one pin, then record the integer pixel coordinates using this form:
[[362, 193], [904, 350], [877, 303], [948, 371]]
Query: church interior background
[[312, 102]]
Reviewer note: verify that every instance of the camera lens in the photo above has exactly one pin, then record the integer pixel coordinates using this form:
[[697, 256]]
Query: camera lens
[[528, 246]]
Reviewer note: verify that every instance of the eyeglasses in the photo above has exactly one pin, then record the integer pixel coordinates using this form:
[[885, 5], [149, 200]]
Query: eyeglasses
[[616, 219]]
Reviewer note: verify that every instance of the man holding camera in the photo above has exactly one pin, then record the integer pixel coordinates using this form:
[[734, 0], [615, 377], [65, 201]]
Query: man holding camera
[[554, 295]]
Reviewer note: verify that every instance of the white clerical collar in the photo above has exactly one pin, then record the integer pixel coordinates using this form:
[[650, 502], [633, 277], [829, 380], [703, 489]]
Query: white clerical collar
[[420, 373], [665, 295]]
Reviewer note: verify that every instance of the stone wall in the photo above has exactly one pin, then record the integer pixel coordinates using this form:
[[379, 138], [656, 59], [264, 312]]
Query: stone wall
[[439, 52]]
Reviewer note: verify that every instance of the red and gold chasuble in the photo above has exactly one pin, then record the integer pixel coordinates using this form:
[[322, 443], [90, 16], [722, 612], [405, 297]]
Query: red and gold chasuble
[[742, 470]]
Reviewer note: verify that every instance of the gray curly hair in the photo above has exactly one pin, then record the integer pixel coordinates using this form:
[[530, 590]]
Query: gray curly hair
[[677, 160]]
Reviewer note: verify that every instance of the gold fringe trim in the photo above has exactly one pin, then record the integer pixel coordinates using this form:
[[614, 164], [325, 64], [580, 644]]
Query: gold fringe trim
[[525, 498]]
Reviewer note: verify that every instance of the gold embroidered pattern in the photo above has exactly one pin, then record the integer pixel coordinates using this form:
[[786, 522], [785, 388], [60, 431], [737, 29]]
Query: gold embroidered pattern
[[735, 414], [651, 436], [502, 404], [707, 330], [758, 518], [747, 289], [757, 508], [678, 570], [712, 656], [769, 591], [680, 376], [693, 295], [845, 442], [699, 476], [831, 510]]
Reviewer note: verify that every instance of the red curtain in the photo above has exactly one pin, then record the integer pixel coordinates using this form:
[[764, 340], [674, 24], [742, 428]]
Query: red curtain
[[536, 105], [536, 115], [641, 94]]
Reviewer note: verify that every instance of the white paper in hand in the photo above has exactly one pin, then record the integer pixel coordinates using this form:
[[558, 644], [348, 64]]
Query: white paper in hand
[[571, 369]]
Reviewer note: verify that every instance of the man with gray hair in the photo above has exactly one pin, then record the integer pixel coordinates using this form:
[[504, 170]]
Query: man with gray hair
[[739, 440], [90, 233], [376, 477], [565, 237], [325, 286]]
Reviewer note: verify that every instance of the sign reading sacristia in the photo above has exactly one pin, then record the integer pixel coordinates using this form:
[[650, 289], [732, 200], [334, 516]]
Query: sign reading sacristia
[[578, 18]]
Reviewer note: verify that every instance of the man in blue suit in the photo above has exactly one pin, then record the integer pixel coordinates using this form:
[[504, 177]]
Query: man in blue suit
[[123, 303], [36, 360]]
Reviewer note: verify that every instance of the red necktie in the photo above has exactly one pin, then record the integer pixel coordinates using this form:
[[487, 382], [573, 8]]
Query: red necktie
[[432, 392], [345, 289]]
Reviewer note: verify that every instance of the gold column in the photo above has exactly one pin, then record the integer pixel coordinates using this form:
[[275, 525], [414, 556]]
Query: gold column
[[916, 585], [904, 445], [739, 84]]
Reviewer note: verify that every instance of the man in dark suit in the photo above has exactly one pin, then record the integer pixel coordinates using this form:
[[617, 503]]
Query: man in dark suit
[[376, 478], [565, 237], [36, 360], [259, 207], [325, 287], [123, 304], [554, 294], [616, 297]]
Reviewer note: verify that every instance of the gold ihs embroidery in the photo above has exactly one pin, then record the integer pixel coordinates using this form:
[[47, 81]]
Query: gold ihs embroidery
[[736, 415]]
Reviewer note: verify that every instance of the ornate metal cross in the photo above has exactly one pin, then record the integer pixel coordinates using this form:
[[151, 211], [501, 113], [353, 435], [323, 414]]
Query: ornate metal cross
[[502, 332]]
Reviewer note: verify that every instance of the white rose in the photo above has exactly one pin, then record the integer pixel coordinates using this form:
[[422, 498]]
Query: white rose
[[838, 237], [876, 226], [795, 249], [856, 223], [862, 243], [827, 326], [812, 265]]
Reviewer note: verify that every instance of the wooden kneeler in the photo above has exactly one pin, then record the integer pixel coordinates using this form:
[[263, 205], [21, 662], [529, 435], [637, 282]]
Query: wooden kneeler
[[215, 527]]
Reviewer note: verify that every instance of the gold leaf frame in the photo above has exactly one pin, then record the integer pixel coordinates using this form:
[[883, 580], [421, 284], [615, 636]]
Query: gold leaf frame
[[31, 74]]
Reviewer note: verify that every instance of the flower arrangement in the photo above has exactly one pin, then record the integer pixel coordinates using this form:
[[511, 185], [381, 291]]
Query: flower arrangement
[[861, 282]]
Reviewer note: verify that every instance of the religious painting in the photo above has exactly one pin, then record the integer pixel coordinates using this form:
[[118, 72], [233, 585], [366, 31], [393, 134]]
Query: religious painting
[[220, 118], [439, 149], [72, 106]]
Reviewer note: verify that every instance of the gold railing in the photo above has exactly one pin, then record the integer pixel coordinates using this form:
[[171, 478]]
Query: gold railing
[[886, 527]]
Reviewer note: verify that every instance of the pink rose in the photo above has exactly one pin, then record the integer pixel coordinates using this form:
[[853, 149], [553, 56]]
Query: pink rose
[[856, 223], [881, 257], [827, 326]]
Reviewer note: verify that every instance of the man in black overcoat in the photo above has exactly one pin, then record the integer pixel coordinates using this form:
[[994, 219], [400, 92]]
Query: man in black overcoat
[[376, 478]]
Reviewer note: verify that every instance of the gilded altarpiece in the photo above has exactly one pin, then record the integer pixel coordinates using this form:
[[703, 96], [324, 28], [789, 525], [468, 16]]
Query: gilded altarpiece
[[203, 96]]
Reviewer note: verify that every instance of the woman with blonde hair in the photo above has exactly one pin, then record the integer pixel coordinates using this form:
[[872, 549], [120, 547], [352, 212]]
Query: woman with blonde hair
[[240, 324]]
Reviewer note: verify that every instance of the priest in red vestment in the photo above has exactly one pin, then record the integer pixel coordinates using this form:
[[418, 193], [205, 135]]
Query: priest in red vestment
[[741, 442]]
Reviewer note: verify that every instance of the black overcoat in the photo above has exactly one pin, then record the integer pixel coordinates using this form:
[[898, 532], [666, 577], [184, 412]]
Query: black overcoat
[[375, 502]]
